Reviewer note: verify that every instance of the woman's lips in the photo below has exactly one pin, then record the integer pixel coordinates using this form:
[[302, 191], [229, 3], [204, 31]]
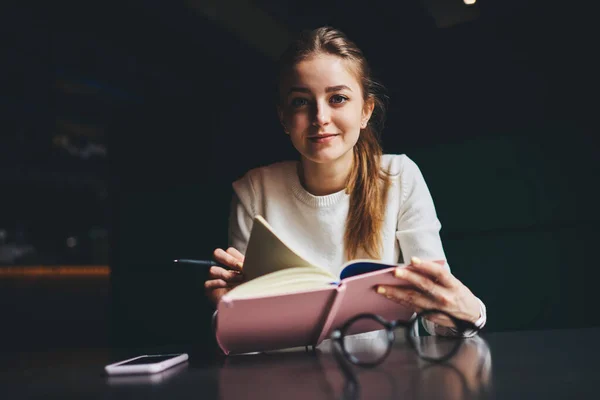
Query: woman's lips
[[322, 138]]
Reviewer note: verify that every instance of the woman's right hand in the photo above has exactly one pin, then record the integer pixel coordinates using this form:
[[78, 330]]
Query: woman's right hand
[[221, 280]]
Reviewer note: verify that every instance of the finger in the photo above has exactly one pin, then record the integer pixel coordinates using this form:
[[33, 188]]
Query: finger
[[440, 319], [408, 297], [422, 282], [227, 259], [219, 284], [437, 272], [215, 284], [235, 252], [222, 273], [216, 294]]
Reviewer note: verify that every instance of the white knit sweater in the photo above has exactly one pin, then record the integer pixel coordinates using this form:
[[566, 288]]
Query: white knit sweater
[[314, 225]]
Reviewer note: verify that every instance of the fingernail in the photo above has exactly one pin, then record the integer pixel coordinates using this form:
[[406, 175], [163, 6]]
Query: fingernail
[[239, 264], [399, 272], [380, 290], [416, 261]]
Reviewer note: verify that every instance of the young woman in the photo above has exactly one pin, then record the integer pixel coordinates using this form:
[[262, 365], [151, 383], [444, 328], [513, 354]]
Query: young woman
[[344, 199]]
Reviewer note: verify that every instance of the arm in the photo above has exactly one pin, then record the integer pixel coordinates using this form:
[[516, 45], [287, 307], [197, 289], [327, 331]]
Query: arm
[[240, 224], [418, 236], [220, 280], [418, 227], [243, 209]]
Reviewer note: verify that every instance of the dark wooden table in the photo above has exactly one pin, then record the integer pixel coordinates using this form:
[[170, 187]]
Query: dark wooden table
[[557, 364]]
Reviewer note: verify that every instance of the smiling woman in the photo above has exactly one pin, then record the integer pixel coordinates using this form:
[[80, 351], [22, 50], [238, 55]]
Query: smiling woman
[[314, 112], [344, 102], [344, 199]]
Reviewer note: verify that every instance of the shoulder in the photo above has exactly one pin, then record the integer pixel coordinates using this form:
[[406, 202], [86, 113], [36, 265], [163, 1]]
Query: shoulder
[[404, 173], [271, 175], [398, 165], [407, 177]]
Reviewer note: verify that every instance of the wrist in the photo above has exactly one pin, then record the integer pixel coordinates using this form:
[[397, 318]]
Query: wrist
[[475, 312], [482, 315]]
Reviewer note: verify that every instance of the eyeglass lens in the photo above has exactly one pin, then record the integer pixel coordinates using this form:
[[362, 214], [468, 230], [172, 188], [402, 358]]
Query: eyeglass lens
[[367, 341], [436, 347]]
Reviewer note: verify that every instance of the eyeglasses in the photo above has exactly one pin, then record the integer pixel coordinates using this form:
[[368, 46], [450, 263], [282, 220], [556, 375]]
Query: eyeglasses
[[367, 339]]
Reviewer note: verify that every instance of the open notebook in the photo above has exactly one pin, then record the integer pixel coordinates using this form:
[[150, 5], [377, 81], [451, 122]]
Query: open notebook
[[288, 302]]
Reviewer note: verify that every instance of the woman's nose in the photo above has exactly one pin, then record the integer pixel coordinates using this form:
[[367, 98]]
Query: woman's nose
[[322, 115]]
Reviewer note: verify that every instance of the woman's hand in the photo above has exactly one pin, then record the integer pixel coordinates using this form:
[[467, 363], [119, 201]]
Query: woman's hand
[[221, 280], [433, 287]]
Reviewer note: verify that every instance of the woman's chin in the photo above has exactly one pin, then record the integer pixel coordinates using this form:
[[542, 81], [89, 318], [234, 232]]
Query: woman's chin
[[324, 156]]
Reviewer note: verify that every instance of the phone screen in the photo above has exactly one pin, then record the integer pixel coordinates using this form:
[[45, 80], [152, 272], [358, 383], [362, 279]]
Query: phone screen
[[149, 359]]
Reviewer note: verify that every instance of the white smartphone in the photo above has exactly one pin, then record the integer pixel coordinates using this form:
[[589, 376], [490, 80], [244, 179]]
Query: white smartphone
[[146, 379], [146, 364]]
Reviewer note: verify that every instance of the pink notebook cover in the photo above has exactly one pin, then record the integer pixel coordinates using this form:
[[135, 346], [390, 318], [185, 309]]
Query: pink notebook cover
[[303, 318]]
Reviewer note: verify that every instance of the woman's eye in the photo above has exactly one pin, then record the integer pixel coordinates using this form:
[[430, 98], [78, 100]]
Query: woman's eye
[[299, 102], [338, 99]]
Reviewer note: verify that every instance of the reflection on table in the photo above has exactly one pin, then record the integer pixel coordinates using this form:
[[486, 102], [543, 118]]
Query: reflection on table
[[551, 364], [314, 374]]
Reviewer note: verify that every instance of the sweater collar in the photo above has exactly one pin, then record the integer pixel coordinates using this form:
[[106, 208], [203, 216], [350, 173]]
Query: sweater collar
[[309, 199]]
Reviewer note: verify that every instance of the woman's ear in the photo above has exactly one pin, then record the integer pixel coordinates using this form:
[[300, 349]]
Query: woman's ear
[[368, 108], [281, 121]]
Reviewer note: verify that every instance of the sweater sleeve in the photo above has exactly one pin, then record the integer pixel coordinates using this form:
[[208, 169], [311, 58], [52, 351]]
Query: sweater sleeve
[[241, 217], [418, 231], [418, 227]]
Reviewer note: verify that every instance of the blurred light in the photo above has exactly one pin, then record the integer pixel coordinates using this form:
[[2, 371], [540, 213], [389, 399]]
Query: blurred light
[[55, 271], [71, 242], [469, 2]]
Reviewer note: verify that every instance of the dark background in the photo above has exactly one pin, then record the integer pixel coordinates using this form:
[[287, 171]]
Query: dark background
[[495, 102]]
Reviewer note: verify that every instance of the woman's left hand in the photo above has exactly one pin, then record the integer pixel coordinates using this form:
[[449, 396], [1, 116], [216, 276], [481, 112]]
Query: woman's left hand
[[433, 287]]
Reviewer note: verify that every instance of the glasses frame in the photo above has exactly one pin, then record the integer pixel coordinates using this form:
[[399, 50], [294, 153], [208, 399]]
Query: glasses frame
[[338, 335]]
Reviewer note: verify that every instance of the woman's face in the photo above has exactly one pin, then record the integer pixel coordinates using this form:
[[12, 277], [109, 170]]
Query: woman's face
[[322, 108]]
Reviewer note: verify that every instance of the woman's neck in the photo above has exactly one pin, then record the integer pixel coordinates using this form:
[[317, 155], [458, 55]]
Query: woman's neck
[[323, 179]]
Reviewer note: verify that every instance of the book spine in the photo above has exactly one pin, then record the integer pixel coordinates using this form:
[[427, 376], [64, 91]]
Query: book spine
[[337, 302], [216, 333]]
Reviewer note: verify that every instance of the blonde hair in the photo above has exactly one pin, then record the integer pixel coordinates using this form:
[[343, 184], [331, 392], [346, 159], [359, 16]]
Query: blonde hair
[[368, 184]]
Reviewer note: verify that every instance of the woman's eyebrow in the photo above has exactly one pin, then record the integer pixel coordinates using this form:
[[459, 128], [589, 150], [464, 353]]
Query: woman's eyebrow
[[337, 88], [327, 89]]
